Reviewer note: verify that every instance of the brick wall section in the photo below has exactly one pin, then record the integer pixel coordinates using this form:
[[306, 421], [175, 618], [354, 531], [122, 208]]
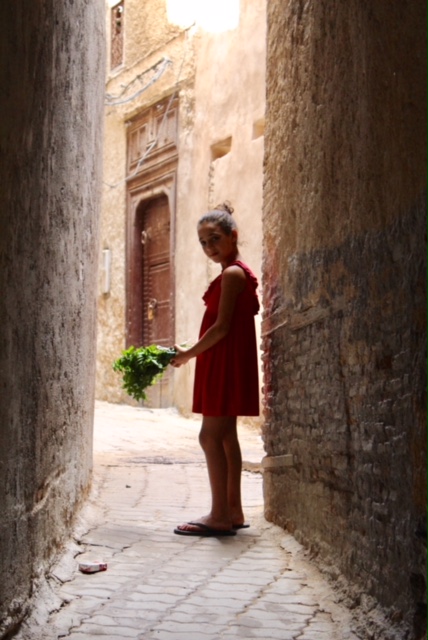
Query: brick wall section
[[347, 402], [344, 294]]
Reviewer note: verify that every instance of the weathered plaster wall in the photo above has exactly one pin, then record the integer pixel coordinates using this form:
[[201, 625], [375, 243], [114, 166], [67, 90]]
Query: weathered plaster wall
[[344, 282], [220, 82], [52, 67], [229, 97]]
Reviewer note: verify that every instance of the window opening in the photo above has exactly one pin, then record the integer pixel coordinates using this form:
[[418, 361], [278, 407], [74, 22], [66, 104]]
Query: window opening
[[220, 149], [258, 128], [117, 32]]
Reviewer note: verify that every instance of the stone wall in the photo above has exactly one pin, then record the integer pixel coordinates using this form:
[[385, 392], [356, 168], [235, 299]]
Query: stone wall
[[52, 72], [344, 284]]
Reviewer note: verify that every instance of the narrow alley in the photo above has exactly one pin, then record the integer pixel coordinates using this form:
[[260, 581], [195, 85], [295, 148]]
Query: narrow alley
[[149, 476]]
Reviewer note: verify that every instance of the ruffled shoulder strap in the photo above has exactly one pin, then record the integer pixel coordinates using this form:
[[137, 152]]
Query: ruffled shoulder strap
[[211, 286], [249, 273], [251, 278]]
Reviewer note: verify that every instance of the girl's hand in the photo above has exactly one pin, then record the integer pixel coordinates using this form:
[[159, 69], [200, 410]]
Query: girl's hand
[[181, 357]]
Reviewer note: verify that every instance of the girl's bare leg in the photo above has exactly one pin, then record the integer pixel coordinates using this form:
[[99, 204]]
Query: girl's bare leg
[[211, 438], [234, 467], [219, 441]]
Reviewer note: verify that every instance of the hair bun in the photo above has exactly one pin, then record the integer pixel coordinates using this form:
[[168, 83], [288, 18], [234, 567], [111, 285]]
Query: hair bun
[[225, 206]]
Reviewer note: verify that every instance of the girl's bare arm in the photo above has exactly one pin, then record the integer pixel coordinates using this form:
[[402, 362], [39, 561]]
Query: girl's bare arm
[[232, 284]]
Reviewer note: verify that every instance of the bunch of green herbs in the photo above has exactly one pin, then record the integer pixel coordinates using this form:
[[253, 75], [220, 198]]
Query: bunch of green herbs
[[142, 367]]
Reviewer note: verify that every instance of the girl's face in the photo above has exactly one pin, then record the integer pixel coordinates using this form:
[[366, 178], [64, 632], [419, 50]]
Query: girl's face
[[216, 244]]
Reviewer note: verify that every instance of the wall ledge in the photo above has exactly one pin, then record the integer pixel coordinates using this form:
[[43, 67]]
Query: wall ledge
[[277, 462]]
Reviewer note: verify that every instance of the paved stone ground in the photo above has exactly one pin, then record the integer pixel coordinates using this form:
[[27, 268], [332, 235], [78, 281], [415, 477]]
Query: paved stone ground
[[149, 476]]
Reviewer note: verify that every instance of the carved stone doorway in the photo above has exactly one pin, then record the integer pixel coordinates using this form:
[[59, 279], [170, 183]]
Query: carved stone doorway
[[150, 287]]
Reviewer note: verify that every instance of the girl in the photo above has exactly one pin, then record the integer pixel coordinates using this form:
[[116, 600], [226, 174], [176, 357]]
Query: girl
[[226, 375]]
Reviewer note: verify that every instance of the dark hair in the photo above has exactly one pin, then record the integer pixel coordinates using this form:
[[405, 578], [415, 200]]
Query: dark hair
[[221, 215]]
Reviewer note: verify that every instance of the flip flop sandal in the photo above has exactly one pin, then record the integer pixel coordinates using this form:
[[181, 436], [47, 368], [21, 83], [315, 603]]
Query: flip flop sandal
[[204, 530]]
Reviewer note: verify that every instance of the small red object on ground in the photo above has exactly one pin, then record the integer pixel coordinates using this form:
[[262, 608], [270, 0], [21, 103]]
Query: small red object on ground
[[92, 567]]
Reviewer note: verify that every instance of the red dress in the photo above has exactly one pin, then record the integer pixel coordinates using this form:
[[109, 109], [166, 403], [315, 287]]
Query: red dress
[[226, 375]]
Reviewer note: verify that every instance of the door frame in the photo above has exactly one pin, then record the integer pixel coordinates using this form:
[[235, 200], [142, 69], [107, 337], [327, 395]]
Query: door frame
[[144, 188], [152, 159]]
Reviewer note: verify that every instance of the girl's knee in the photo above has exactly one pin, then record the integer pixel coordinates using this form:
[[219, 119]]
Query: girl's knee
[[209, 436], [215, 430], [205, 437], [202, 438]]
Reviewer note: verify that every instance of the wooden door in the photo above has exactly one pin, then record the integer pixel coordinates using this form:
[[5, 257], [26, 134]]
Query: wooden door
[[155, 240], [150, 296]]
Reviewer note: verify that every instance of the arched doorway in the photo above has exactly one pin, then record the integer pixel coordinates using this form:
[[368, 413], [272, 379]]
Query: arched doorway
[[152, 164], [150, 286]]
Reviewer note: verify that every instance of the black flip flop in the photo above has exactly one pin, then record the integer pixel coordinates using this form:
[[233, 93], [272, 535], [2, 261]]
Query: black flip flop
[[206, 531], [241, 526]]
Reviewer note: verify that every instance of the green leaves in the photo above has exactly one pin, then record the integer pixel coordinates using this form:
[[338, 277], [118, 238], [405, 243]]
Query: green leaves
[[141, 367]]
